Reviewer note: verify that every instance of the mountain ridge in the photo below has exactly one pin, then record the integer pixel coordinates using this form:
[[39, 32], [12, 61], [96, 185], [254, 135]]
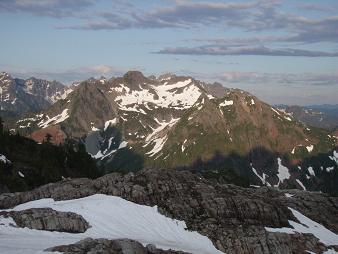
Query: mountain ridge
[[131, 122]]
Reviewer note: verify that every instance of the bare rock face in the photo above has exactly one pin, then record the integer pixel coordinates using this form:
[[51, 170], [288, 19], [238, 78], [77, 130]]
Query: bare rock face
[[48, 219], [119, 246], [233, 218]]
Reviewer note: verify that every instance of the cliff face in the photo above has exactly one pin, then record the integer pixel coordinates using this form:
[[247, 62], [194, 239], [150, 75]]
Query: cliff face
[[235, 219]]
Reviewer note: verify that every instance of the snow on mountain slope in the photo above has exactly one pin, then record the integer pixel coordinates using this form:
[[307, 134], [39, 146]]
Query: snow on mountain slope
[[307, 226], [54, 120], [178, 95], [30, 95], [283, 172], [155, 116], [4, 159], [109, 217]]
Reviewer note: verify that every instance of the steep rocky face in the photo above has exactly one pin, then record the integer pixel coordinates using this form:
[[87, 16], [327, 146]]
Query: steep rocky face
[[237, 220], [31, 95], [48, 219], [216, 89], [119, 246]]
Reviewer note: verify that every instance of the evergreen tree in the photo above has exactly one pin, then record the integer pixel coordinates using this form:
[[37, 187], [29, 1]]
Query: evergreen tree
[[1, 126], [48, 138]]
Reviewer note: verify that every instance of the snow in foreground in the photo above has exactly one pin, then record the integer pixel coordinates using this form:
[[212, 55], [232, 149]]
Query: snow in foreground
[[109, 217], [308, 226]]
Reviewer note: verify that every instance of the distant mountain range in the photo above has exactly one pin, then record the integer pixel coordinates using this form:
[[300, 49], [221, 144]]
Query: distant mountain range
[[132, 122], [322, 116], [18, 96]]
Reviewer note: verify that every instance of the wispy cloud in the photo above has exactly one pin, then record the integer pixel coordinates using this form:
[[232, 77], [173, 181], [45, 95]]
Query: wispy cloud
[[51, 8], [286, 88], [70, 75], [248, 51], [285, 79]]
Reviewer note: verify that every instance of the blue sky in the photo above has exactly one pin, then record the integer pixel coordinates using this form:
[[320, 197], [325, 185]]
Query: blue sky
[[281, 51]]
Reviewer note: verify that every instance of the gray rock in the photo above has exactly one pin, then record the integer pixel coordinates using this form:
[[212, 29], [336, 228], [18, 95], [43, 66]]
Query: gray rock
[[48, 219], [104, 246], [232, 217]]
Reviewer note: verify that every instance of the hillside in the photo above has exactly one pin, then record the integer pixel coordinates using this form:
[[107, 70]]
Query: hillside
[[25, 164]]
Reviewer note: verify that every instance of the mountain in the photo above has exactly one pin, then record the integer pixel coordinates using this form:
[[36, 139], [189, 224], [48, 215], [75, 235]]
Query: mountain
[[133, 122], [18, 96], [169, 209], [321, 116], [327, 108]]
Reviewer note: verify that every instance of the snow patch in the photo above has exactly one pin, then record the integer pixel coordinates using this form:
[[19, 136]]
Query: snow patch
[[301, 184], [95, 129], [308, 226], [329, 169], [110, 122], [226, 103], [183, 147], [283, 172], [4, 159], [262, 178], [309, 148], [276, 111], [311, 171], [157, 137], [110, 217], [54, 120]]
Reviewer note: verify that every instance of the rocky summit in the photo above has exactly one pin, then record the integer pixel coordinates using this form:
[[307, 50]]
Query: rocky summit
[[235, 219], [18, 96]]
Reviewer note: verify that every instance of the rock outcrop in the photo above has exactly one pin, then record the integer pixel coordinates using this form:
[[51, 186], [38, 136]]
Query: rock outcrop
[[234, 218], [48, 219], [119, 246]]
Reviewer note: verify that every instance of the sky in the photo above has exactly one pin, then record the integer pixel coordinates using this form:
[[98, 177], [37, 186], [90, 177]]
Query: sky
[[282, 51]]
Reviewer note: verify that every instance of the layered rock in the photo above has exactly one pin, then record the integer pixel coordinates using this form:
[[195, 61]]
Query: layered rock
[[233, 218], [118, 246], [48, 219]]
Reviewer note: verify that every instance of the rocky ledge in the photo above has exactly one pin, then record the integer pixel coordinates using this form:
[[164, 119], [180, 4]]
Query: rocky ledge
[[48, 219], [234, 218], [118, 246]]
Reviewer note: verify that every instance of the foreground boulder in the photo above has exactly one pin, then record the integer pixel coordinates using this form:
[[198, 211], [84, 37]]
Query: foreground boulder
[[48, 219], [233, 218], [119, 246]]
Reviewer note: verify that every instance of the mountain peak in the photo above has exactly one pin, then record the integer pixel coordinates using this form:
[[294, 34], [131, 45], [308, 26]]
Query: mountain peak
[[166, 76], [134, 77], [5, 75]]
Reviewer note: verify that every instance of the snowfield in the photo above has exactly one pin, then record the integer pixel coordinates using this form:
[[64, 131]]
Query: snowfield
[[308, 226], [180, 95], [109, 217]]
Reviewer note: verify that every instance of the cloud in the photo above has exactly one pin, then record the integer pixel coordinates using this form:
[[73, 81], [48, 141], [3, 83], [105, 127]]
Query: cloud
[[51, 8], [285, 79], [317, 7], [248, 51], [284, 88], [181, 14], [70, 75]]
